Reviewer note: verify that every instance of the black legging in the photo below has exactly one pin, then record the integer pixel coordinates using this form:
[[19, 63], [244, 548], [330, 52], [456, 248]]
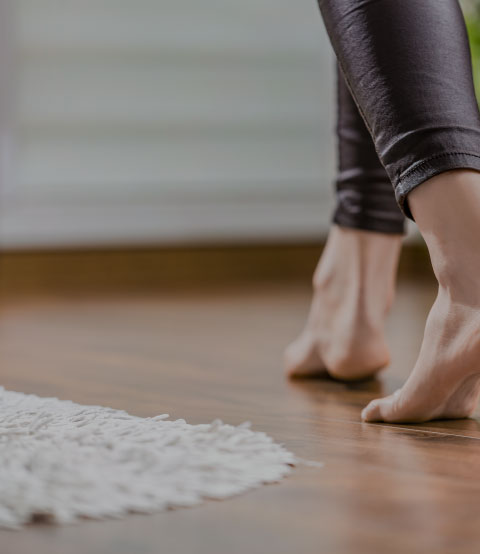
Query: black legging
[[407, 65]]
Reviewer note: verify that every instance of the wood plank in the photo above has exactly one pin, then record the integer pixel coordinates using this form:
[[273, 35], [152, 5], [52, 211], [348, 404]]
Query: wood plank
[[161, 269], [207, 354]]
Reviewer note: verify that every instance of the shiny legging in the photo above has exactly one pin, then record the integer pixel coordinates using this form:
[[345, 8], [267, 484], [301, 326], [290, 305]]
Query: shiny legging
[[405, 81]]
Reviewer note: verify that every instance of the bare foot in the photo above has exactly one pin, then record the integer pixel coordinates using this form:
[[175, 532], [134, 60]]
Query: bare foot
[[353, 291], [445, 382]]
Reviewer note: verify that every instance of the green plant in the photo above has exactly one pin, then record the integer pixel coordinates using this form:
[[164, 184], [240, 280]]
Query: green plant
[[471, 10]]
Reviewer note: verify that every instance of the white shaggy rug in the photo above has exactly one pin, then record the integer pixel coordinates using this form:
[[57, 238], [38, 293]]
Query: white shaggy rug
[[62, 462]]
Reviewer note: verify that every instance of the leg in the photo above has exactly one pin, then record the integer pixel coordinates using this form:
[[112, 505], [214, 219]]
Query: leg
[[354, 280], [408, 67], [365, 198], [445, 382]]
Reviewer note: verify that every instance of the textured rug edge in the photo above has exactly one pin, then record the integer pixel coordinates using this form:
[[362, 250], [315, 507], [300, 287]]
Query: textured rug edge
[[39, 437]]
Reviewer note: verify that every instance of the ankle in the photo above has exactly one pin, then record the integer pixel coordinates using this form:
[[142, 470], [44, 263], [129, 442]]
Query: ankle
[[359, 263], [447, 211]]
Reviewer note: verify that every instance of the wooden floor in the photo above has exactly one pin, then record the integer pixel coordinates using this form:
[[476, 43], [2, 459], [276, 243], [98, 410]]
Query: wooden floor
[[217, 354]]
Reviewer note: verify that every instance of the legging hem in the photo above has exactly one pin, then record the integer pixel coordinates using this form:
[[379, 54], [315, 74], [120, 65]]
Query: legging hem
[[426, 169]]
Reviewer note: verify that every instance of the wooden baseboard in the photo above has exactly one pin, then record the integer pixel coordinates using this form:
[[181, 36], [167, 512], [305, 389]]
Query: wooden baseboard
[[155, 269]]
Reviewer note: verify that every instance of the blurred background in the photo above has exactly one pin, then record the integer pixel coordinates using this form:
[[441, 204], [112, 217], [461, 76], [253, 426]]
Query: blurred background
[[165, 122], [160, 125]]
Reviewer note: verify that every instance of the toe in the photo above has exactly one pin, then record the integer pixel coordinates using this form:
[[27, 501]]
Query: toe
[[369, 412], [381, 409], [372, 412]]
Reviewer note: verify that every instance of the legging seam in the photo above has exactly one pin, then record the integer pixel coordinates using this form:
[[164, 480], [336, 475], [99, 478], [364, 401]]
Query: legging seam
[[442, 155]]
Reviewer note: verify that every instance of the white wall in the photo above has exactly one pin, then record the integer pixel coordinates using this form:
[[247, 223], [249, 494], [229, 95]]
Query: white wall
[[167, 121]]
